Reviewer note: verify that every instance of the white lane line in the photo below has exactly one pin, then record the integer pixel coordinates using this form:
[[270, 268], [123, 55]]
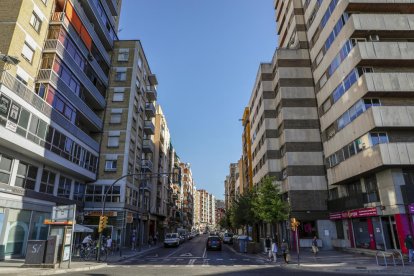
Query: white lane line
[[232, 259], [191, 263], [205, 253], [219, 259]]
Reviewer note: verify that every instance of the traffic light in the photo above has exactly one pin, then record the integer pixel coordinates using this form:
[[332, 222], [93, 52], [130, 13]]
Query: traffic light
[[103, 221], [294, 224]]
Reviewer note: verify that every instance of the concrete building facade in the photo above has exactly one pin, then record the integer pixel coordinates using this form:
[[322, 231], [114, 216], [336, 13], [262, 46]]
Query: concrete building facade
[[52, 105]]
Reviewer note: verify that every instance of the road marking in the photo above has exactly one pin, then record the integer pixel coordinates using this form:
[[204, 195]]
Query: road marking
[[205, 253], [191, 263], [219, 259], [205, 263], [167, 260], [233, 259], [186, 255]]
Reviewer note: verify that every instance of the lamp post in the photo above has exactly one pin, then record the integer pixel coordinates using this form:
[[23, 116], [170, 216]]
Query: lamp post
[[106, 193]]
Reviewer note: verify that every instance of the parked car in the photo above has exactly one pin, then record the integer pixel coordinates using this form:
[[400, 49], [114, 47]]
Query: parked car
[[171, 239], [182, 239], [228, 238], [213, 242]]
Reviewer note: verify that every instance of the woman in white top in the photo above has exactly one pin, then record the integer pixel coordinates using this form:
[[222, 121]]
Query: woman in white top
[[274, 250]]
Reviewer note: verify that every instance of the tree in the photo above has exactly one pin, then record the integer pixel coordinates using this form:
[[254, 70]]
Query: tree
[[242, 212], [268, 204]]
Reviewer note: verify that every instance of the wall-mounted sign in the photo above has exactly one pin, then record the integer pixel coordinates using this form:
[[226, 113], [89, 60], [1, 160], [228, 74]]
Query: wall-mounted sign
[[14, 113], [359, 213], [4, 105]]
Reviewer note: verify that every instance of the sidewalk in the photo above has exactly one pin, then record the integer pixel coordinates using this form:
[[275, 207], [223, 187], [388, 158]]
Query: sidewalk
[[337, 261], [15, 266]]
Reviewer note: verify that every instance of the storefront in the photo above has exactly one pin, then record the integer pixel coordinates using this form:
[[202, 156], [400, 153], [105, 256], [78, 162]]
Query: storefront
[[368, 228]]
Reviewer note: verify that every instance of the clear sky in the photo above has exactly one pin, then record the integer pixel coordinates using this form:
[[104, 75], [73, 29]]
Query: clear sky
[[205, 54]]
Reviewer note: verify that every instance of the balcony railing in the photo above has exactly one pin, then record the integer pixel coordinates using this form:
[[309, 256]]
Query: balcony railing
[[147, 165], [151, 93], [150, 109], [90, 87], [50, 76], [149, 128], [38, 103], [148, 146]]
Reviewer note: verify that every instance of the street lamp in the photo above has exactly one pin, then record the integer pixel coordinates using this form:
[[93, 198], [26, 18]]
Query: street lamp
[[106, 193]]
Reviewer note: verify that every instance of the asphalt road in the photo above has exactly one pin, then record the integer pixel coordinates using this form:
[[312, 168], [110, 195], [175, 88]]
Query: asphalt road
[[191, 258]]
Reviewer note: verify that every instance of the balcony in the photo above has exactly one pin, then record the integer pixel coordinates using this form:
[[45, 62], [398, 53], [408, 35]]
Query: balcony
[[91, 10], [153, 79], [48, 76], [147, 146], [60, 18], [370, 159], [149, 127], [38, 103], [151, 93], [150, 109], [113, 6], [146, 165]]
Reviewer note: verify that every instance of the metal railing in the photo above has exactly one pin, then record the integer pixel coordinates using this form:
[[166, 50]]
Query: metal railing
[[389, 254]]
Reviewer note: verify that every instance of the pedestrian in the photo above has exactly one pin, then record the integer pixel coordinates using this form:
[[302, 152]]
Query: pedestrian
[[274, 250], [409, 244], [268, 245], [109, 243], [315, 248], [87, 241], [155, 238], [285, 251], [133, 241]]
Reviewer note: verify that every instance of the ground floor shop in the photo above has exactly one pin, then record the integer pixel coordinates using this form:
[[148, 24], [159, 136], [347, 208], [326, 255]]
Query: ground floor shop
[[369, 228], [21, 220]]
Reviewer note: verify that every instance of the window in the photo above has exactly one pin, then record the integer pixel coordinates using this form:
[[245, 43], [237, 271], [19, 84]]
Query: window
[[123, 54], [371, 189], [118, 94], [64, 187], [114, 194], [110, 165], [48, 182], [116, 115], [26, 176], [27, 52], [35, 22], [378, 138], [113, 139], [5, 169], [333, 193], [78, 191], [120, 74]]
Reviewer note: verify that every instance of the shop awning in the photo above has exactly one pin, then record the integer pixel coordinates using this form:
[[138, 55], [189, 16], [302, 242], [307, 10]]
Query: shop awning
[[82, 229]]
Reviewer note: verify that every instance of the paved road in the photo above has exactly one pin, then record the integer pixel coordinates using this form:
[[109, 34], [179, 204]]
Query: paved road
[[191, 258]]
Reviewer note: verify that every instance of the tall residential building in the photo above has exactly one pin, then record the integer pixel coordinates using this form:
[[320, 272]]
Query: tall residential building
[[362, 65], [127, 146], [204, 210], [247, 150], [51, 109], [160, 184], [187, 196], [230, 186], [220, 211]]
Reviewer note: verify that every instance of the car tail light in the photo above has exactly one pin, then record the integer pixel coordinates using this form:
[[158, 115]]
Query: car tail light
[[209, 242]]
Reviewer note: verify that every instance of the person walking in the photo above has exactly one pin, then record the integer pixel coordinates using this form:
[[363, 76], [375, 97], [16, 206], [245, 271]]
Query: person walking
[[315, 248], [274, 251], [109, 244], [267, 247], [409, 244], [285, 250]]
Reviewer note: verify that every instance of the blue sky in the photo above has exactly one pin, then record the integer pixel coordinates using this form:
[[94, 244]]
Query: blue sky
[[206, 54]]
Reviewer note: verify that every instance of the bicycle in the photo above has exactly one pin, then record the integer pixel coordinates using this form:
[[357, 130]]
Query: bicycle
[[91, 252]]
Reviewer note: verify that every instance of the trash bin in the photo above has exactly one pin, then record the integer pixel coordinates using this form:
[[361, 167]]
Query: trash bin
[[243, 240]]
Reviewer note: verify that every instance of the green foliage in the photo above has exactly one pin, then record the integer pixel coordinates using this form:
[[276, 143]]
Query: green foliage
[[268, 205], [242, 212]]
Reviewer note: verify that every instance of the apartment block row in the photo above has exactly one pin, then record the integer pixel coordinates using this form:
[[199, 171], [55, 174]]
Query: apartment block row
[[330, 118], [78, 111], [204, 210]]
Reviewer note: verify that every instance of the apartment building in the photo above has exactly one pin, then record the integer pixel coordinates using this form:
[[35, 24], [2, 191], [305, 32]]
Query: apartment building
[[127, 146], [159, 198], [362, 63], [220, 211], [52, 104], [247, 150], [204, 210], [230, 186], [187, 191]]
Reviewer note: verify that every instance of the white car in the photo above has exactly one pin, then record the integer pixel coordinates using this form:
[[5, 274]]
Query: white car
[[228, 238], [172, 239]]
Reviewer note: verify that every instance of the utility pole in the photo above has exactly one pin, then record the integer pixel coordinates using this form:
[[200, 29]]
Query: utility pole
[[294, 224]]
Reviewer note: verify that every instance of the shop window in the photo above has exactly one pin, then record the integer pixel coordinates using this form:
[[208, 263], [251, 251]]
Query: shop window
[[38, 230], [64, 187], [307, 229], [18, 231], [5, 168], [48, 182], [26, 176]]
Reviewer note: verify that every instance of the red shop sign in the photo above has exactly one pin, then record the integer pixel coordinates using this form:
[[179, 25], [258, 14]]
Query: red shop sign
[[359, 213]]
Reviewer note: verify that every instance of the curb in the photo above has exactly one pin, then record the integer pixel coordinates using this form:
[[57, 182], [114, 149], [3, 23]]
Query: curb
[[66, 270], [135, 255]]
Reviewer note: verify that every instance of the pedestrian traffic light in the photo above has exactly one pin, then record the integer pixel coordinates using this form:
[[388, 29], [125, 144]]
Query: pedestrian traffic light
[[103, 221], [294, 224]]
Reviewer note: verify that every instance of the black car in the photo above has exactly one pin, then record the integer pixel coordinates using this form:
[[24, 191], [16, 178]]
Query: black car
[[213, 242]]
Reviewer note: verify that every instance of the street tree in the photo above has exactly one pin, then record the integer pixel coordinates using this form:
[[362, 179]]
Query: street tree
[[243, 214], [268, 204]]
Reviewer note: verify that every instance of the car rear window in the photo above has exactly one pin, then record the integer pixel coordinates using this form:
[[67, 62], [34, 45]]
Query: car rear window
[[228, 235], [214, 238], [170, 236]]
